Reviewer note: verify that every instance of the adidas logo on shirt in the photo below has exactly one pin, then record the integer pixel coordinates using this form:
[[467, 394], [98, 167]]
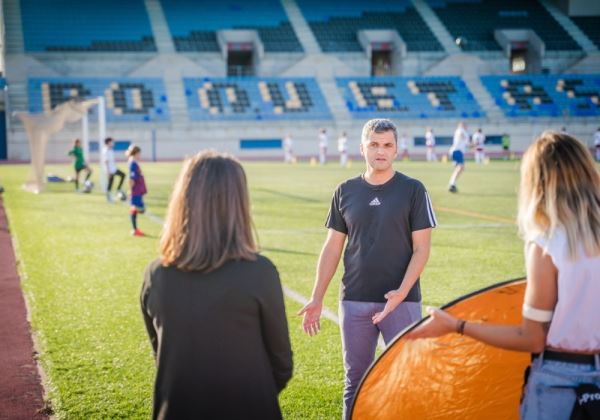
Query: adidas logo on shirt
[[375, 202]]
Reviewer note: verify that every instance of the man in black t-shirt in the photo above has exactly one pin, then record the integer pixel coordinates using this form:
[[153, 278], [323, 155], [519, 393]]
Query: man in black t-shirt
[[387, 219]]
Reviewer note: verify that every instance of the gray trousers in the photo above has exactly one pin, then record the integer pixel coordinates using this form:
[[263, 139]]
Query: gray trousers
[[360, 335]]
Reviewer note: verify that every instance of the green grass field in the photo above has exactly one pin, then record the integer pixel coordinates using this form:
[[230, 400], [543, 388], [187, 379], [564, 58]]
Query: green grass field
[[82, 271]]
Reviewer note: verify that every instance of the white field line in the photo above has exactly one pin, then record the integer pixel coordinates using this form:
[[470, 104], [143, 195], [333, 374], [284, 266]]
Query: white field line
[[154, 218], [476, 215], [292, 294], [326, 313], [475, 226]]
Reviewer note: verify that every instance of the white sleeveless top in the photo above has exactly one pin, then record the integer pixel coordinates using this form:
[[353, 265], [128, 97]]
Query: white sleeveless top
[[576, 322]]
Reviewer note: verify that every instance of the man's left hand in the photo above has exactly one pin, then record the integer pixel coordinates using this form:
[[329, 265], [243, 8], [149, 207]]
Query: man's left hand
[[394, 298]]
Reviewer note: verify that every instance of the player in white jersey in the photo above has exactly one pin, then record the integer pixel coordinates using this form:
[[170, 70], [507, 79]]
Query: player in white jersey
[[403, 147], [323, 143], [430, 144], [457, 153], [288, 149], [343, 149], [478, 142], [108, 159]]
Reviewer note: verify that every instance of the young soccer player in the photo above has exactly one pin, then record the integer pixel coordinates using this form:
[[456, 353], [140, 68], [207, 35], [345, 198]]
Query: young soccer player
[[457, 152], [79, 163], [343, 149], [108, 159], [430, 143], [288, 149], [138, 187], [403, 146], [323, 143], [478, 141]]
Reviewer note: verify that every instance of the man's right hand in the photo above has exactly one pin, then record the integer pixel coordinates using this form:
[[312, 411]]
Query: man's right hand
[[312, 315]]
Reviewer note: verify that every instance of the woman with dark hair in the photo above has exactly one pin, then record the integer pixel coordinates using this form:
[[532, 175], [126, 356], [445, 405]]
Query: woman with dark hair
[[213, 307], [559, 219]]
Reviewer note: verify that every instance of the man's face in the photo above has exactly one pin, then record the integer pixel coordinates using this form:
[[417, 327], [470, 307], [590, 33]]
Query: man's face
[[380, 150]]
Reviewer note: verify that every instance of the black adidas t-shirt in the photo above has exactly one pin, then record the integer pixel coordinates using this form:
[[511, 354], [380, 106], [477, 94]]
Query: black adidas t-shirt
[[379, 221]]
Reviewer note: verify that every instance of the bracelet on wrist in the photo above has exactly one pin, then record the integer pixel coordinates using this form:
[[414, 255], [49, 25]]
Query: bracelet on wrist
[[460, 326]]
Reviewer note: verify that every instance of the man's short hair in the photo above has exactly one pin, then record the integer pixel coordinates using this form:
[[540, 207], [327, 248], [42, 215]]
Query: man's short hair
[[108, 140], [378, 125]]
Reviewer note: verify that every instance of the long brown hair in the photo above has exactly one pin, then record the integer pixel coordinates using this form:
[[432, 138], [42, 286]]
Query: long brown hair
[[208, 221], [560, 187]]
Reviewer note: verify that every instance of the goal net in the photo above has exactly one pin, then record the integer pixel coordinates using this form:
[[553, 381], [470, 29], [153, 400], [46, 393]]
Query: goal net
[[41, 127]]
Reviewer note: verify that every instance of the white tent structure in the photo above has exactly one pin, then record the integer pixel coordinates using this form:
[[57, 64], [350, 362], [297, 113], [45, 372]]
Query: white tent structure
[[41, 127]]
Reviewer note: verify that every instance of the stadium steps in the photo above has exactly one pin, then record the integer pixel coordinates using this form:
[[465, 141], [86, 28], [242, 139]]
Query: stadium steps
[[485, 100], [337, 107], [177, 102], [436, 26], [160, 29], [303, 32], [13, 31], [577, 34]]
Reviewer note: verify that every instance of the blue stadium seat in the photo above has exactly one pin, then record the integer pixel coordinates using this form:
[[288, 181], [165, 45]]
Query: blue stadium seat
[[476, 20], [335, 23], [545, 95], [193, 23], [255, 98], [71, 25], [408, 97], [127, 99]]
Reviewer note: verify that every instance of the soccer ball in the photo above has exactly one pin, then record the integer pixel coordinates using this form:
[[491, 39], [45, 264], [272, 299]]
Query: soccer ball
[[88, 186], [122, 196]]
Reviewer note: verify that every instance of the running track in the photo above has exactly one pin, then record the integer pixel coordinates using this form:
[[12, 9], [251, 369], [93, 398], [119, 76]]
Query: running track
[[21, 392]]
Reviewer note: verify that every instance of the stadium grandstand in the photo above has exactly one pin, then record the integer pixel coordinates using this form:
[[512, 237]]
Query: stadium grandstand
[[181, 75]]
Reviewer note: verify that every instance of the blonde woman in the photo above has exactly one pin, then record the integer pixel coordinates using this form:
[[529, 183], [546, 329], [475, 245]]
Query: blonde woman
[[559, 218], [213, 307]]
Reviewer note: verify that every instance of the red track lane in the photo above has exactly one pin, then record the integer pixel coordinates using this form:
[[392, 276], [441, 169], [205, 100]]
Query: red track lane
[[21, 392]]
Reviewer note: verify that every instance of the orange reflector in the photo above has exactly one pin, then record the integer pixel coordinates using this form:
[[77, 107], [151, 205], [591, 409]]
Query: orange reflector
[[450, 377]]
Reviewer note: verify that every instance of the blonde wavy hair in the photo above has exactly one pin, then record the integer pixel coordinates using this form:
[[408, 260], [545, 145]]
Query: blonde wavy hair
[[560, 188], [208, 220]]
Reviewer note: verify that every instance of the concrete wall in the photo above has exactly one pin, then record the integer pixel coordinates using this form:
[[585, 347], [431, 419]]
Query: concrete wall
[[180, 137], [176, 143]]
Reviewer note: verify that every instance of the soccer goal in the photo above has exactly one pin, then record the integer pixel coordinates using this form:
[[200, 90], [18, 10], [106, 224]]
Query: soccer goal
[[41, 127]]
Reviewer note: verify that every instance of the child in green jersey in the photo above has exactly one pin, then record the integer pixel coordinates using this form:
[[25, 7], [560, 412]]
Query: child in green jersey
[[79, 163]]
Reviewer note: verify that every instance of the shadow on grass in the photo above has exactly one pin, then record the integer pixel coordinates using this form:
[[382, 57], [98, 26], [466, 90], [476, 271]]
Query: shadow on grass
[[287, 251], [148, 236], [287, 195]]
